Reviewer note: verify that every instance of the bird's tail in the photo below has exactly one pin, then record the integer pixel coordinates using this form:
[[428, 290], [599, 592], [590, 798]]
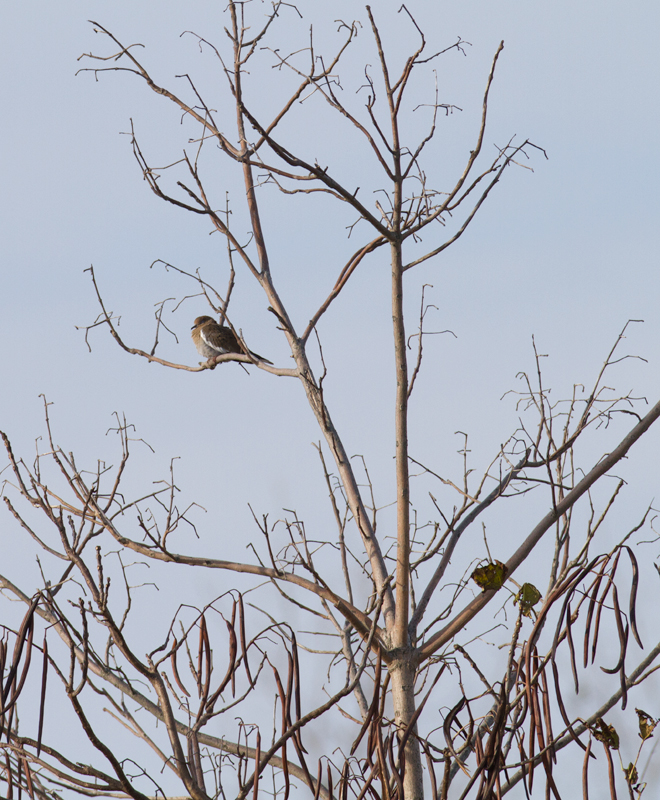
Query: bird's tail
[[260, 358]]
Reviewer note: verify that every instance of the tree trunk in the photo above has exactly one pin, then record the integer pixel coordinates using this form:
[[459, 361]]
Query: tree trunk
[[402, 675]]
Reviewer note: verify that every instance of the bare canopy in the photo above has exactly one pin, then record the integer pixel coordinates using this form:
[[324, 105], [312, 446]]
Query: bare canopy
[[406, 702]]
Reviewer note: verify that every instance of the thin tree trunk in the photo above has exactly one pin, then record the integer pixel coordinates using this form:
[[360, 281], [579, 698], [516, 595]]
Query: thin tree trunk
[[403, 669], [400, 639]]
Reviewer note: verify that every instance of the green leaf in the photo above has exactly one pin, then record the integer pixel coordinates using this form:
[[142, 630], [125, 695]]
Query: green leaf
[[528, 597]]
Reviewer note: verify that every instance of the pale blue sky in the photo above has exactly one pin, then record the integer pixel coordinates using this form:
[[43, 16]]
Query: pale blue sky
[[567, 253]]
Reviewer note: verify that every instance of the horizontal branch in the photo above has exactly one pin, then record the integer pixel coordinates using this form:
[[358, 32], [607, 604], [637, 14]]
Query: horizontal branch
[[357, 618], [211, 363], [203, 365]]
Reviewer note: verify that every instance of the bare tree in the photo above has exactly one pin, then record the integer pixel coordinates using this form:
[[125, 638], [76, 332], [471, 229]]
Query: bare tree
[[405, 605]]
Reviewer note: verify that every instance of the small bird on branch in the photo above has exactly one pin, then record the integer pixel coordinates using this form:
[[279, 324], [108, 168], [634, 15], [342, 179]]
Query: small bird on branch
[[212, 340]]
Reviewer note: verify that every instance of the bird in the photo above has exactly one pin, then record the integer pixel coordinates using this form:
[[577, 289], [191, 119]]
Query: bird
[[212, 339]]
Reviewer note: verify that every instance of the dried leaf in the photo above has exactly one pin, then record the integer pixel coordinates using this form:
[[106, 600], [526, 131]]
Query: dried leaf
[[605, 733], [492, 576], [646, 724]]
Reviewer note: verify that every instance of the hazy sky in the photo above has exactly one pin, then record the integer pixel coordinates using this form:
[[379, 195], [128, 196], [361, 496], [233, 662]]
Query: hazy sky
[[566, 253]]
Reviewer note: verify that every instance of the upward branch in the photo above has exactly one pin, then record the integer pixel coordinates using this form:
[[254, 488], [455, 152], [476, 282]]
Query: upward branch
[[447, 633], [400, 639], [298, 350]]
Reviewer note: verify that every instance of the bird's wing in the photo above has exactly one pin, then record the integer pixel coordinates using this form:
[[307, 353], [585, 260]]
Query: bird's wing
[[212, 340]]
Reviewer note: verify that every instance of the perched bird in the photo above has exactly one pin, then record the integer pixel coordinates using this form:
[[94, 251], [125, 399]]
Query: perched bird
[[212, 340]]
